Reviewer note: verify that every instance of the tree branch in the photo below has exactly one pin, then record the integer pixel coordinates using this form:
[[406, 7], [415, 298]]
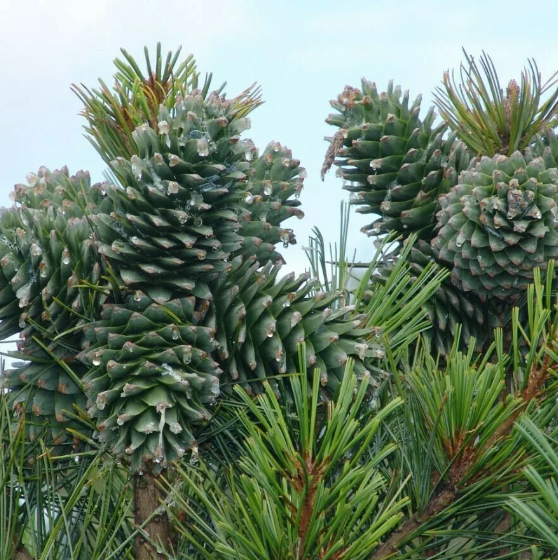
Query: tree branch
[[22, 554], [147, 499], [437, 504], [537, 377]]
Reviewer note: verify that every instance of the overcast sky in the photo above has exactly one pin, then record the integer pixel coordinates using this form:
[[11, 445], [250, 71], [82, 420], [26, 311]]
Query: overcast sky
[[301, 52]]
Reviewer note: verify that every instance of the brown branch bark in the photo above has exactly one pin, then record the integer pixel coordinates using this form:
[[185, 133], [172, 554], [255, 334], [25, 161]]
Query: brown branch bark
[[307, 511], [22, 554], [502, 529], [308, 478], [440, 502], [147, 498]]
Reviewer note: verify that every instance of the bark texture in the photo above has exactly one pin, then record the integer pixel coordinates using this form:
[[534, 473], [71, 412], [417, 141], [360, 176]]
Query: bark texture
[[147, 498]]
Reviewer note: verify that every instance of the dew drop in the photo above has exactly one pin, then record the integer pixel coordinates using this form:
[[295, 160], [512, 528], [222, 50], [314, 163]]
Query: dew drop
[[378, 353], [136, 167], [202, 147], [36, 250], [361, 350], [32, 179], [164, 127], [377, 331]]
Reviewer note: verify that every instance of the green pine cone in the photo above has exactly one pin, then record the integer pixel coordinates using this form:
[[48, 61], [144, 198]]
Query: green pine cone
[[275, 178], [261, 320], [47, 251], [151, 376], [190, 204], [395, 164], [499, 224], [156, 368], [48, 393], [451, 308]]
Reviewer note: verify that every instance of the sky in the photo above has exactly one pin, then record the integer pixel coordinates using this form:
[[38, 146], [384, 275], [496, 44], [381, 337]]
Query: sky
[[301, 52]]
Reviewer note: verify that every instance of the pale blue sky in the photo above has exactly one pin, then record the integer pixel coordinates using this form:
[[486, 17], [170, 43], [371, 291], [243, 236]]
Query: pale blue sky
[[302, 53]]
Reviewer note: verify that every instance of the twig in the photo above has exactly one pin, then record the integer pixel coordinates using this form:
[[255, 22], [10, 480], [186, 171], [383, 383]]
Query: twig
[[22, 554], [438, 503], [537, 377]]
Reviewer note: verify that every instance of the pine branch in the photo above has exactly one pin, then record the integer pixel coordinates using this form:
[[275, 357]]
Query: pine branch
[[449, 493], [488, 120], [156, 527], [537, 378], [441, 501], [309, 480], [22, 554]]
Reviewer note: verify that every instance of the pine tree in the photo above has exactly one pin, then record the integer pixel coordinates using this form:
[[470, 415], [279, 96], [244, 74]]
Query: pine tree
[[180, 396]]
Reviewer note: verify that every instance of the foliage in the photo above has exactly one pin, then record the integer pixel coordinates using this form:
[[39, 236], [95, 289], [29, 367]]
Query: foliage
[[301, 489], [539, 509], [63, 507], [159, 278], [489, 121], [179, 396]]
